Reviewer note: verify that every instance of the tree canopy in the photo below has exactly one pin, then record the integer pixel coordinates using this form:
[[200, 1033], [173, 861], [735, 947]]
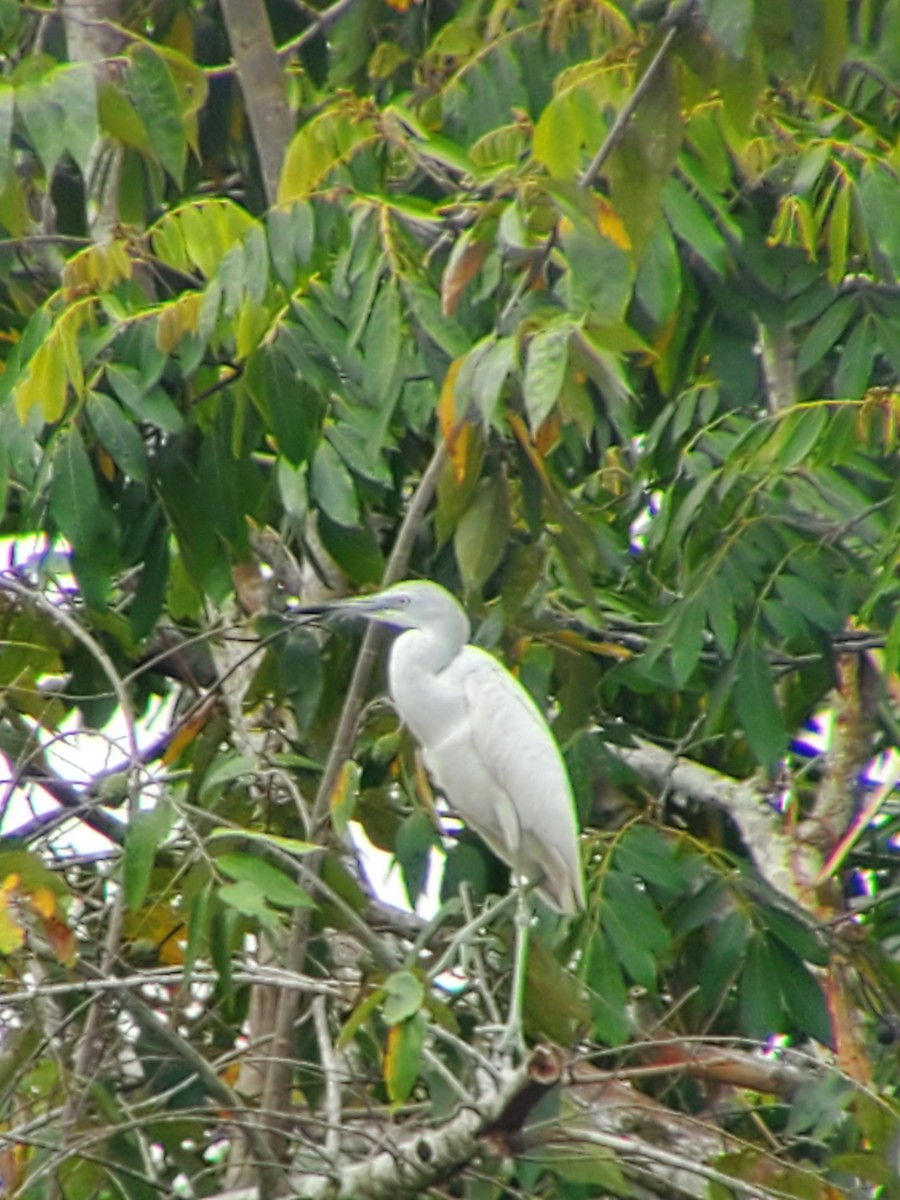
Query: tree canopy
[[587, 311]]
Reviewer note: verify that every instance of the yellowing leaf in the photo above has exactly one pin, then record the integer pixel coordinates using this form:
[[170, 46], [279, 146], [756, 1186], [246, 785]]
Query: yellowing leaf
[[611, 224], [54, 365], [547, 435], [463, 265], [62, 940], [177, 319], [402, 1057], [343, 797], [454, 430], [44, 384], [183, 738], [12, 934], [97, 268], [322, 145], [106, 465], [43, 901]]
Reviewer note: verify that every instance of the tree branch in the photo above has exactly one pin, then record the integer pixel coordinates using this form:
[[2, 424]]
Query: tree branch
[[789, 866], [276, 1096], [261, 78]]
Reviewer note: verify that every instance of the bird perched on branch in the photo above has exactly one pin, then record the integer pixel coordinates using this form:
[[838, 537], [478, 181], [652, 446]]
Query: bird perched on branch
[[484, 742]]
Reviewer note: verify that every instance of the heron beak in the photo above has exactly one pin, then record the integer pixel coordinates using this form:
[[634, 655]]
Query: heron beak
[[363, 606]]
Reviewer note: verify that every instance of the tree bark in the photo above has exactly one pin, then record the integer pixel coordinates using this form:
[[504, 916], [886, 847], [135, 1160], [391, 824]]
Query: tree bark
[[262, 83]]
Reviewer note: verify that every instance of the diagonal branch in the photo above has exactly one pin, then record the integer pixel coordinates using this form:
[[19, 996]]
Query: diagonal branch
[[276, 1096], [786, 864]]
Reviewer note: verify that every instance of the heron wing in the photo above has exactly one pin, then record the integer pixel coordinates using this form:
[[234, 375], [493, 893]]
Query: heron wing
[[521, 756]]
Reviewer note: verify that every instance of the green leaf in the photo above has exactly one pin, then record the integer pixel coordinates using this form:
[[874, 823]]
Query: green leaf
[[686, 635], [658, 283], [356, 551], [413, 845], [74, 495], [198, 924], [119, 436], [382, 337], [802, 998], [300, 674], [156, 99], [482, 533], [838, 235], [608, 992], [760, 987], [633, 925], [691, 223], [43, 120], [856, 361], [600, 273], [292, 845], [359, 1016], [819, 1104], [556, 143], [426, 311], [277, 887], [225, 770], [878, 194], [74, 91], [808, 599], [7, 110], [595, 1168], [756, 703], [730, 22], [490, 373], [404, 996], [825, 332], [631, 952], [147, 830], [150, 404], [720, 606], [797, 435], [320, 147], [292, 489], [331, 486], [796, 936], [722, 958], [403, 1056], [249, 900], [555, 1005], [118, 116], [699, 909], [644, 852], [545, 370]]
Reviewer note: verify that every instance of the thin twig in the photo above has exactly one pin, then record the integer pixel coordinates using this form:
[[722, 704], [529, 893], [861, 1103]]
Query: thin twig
[[331, 1069], [276, 1095], [590, 173], [59, 615], [617, 132], [324, 22]]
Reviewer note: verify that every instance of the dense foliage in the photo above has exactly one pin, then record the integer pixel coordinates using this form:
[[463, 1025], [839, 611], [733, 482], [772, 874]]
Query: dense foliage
[[587, 311]]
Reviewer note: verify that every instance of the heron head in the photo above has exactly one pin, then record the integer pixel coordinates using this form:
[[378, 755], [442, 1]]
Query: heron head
[[414, 604]]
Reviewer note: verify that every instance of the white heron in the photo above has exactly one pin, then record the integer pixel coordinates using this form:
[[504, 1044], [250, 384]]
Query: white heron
[[486, 745]]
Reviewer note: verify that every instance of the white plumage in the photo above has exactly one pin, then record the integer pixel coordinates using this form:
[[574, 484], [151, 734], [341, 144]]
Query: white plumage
[[483, 739]]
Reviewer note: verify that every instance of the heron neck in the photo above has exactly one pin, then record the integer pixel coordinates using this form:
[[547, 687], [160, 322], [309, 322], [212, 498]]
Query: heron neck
[[429, 651]]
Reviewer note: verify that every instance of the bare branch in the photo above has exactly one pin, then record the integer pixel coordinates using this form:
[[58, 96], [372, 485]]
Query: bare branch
[[789, 866]]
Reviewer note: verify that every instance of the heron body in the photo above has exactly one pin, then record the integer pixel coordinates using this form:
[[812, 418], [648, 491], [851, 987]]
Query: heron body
[[484, 740]]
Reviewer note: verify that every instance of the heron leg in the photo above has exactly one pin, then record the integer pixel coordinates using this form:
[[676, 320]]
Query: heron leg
[[464, 935], [513, 1038]]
